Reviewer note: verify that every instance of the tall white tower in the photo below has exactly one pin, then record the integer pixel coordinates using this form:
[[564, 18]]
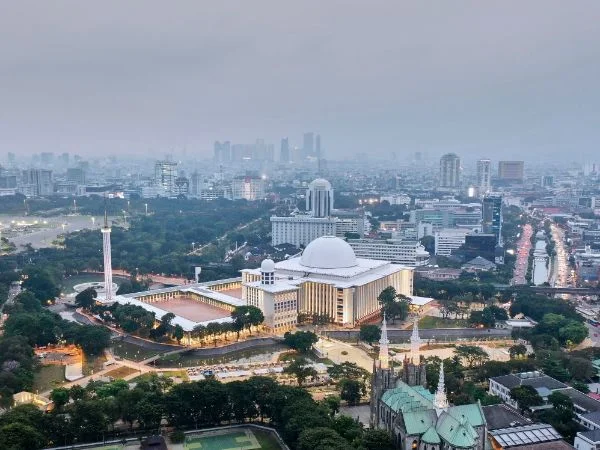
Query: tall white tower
[[384, 354], [415, 343], [108, 283], [319, 198]]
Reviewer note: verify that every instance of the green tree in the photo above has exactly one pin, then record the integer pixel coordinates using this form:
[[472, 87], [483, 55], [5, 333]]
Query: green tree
[[351, 391], [472, 355], [16, 436], [369, 333], [374, 439], [302, 341], [92, 339], [86, 298], [526, 397], [60, 397], [563, 406], [321, 439], [517, 350], [178, 333], [581, 386], [301, 369], [245, 317]]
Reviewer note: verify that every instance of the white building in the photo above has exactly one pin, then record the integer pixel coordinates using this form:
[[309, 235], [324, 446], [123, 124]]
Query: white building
[[278, 301], [248, 188], [165, 173], [409, 253], [319, 198], [449, 239], [334, 282], [300, 230], [587, 440], [396, 199]]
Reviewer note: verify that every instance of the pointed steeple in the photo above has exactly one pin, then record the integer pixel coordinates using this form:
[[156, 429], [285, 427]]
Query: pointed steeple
[[415, 343], [384, 358], [440, 401]]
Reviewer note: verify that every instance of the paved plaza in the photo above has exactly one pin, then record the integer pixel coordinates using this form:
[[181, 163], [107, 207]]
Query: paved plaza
[[191, 309]]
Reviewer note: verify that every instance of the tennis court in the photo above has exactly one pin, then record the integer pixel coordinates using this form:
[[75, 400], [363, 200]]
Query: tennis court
[[223, 440]]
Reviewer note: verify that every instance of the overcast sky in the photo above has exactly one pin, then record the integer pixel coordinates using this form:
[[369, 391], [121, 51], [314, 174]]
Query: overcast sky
[[479, 78]]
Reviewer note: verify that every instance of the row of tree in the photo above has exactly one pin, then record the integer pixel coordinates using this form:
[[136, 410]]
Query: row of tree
[[93, 413]]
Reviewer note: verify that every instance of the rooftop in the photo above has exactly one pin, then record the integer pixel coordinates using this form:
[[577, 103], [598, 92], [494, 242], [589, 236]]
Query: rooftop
[[526, 434], [502, 416]]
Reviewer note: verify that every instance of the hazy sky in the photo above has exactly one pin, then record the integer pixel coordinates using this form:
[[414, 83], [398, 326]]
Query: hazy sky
[[480, 78]]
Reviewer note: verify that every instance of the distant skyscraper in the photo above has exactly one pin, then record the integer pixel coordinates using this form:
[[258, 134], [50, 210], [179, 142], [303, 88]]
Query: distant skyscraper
[[108, 287], [318, 153], [511, 170], [284, 155], [76, 175], [222, 152], [492, 215], [37, 182], [484, 176], [450, 171], [165, 173], [309, 144], [319, 198]]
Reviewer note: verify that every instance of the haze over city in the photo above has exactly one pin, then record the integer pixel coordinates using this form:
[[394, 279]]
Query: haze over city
[[149, 78]]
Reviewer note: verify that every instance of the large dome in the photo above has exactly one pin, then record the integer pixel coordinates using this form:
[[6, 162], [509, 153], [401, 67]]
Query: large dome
[[328, 252]]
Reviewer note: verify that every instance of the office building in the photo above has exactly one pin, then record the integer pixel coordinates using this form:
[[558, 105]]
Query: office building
[[408, 253], [248, 187], [484, 176], [76, 175], [332, 281], [301, 229], [440, 218], [479, 244], [284, 155], [547, 181], [36, 183], [449, 239], [450, 171], [511, 171], [492, 215], [222, 152], [318, 152], [319, 198], [309, 144], [349, 223], [181, 187], [165, 173]]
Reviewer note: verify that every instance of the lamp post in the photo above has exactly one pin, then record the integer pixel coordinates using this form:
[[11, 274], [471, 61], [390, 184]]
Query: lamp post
[[146, 205]]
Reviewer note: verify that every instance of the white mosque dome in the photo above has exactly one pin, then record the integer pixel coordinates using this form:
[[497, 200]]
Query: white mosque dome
[[320, 183], [267, 265], [328, 252]]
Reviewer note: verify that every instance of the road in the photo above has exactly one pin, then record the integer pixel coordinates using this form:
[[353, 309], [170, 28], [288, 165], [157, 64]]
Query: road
[[438, 334], [523, 248], [561, 272], [198, 251]]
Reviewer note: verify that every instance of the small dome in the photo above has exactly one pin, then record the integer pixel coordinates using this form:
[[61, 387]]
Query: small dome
[[328, 252], [267, 265], [320, 183]]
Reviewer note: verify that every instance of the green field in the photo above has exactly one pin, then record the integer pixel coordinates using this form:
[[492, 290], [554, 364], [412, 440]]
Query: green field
[[238, 439]]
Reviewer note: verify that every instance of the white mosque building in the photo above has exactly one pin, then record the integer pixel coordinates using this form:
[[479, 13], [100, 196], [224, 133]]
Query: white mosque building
[[331, 280]]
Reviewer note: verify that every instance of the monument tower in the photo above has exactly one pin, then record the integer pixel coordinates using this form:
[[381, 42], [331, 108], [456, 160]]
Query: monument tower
[[108, 283]]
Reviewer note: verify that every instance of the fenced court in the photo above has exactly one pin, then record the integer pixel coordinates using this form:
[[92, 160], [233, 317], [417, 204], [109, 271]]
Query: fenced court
[[240, 439]]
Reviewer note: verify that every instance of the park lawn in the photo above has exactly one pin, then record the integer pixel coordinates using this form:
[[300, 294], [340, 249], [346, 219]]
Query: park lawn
[[428, 322], [121, 372], [132, 352], [48, 377]]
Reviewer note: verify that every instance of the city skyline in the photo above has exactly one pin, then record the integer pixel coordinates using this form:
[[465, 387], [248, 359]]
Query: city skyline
[[475, 81]]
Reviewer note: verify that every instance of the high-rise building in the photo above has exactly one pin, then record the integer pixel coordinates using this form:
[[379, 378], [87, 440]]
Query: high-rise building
[[309, 144], [492, 215], [319, 198], [450, 171], [165, 173], [222, 152], [248, 188], [318, 153], [449, 239], [284, 155], [76, 175], [484, 176], [36, 182], [511, 171]]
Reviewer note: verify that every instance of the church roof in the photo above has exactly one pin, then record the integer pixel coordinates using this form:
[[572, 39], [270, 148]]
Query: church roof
[[418, 422], [431, 436], [405, 398], [456, 432]]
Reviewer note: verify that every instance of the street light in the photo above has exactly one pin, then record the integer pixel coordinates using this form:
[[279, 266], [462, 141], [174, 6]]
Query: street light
[[146, 205]]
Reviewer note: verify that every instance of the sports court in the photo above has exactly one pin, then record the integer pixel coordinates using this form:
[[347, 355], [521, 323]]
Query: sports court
[[223, 440], [191, 309]]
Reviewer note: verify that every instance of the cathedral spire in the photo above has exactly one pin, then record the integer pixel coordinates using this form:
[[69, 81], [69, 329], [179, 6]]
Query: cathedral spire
[[415, 343], [440, 401], [384, 358]]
